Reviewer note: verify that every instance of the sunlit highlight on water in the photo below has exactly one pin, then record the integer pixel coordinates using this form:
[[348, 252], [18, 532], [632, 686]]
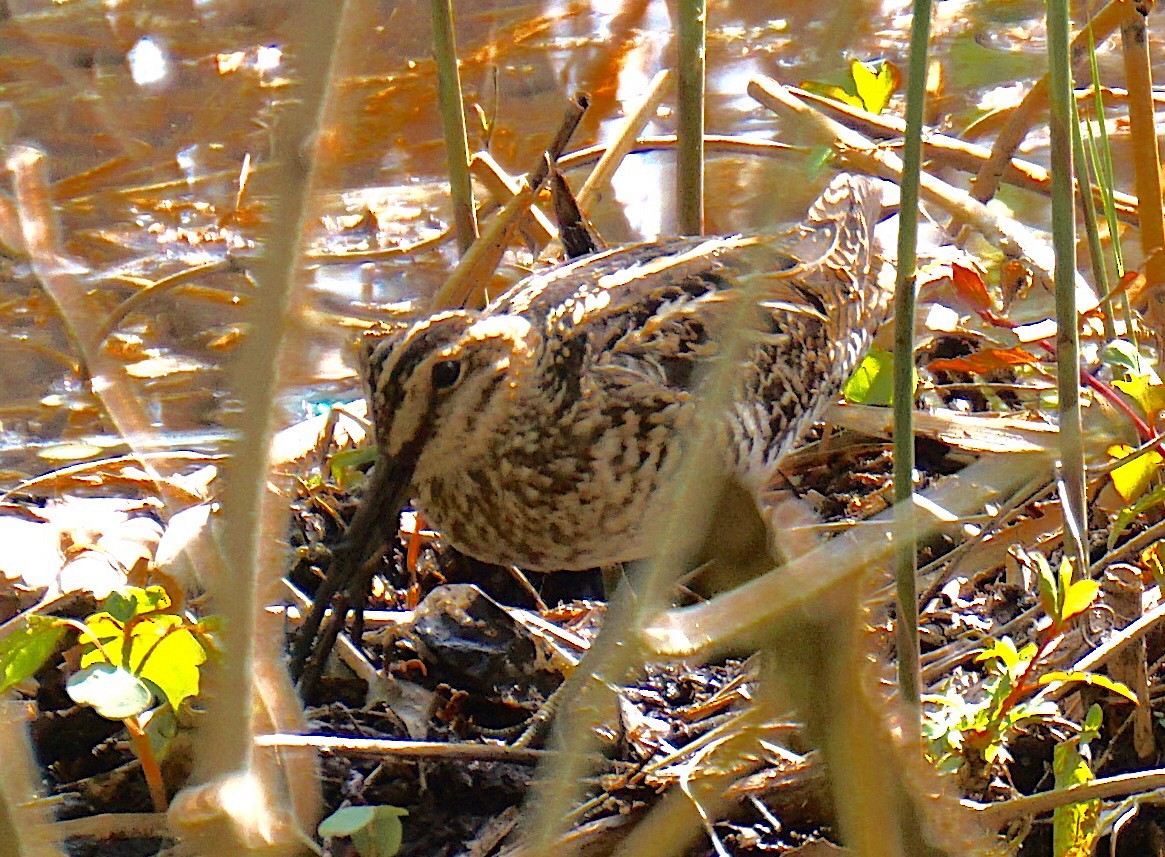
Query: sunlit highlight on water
[[147, 62]]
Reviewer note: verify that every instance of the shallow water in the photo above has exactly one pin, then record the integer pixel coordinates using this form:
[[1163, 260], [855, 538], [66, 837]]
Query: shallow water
[[147, 112]]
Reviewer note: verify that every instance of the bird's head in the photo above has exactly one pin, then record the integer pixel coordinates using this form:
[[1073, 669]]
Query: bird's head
[[441, 386]]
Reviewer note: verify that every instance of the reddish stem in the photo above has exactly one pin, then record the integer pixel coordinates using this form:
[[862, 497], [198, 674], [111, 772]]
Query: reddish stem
[[1144, 430]]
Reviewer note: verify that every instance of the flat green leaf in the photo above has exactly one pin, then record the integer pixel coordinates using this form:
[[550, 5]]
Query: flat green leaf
[[115, 693], [345, 821], [24, 652], [1075, 827], [872, 383], [375, 831], [130, 601]]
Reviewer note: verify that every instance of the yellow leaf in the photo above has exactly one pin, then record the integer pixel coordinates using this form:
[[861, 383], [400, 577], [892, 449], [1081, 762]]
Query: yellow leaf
[[828, 90], [1079, 598], [874, 88], [1142, 390], [1151, 562], [1131, 480]]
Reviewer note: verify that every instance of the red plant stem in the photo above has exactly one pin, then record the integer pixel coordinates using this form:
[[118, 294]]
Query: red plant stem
[[145, 754], [1144, 430], [1021, 685]]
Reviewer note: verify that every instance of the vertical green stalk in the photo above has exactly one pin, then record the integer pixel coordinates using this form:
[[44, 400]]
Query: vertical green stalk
[[690, 123], [453, 123], [905, 565], [1064, 244], [1100, 161], [1091, 225]]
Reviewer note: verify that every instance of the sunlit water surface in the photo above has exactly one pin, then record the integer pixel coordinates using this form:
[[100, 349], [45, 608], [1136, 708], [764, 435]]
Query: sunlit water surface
[[149, 113]]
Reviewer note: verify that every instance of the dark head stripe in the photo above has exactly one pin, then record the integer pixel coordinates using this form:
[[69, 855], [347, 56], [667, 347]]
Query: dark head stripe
[[403, 357]]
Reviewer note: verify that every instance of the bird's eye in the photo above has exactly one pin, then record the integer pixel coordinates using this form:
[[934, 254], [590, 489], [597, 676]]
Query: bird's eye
[[445, 374]]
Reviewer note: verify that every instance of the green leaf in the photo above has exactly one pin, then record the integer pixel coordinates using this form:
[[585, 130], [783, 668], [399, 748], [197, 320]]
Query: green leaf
[[345, 821], [1129, 514], [344, 461], [873, 381], [24, 652], [1079, 597], [1124, 360], [130, 601], [160, 725], [1075, 827], [1090, 678], [874, 88], [175, 654], [375, 831], [115, 693], [1092, 724], [817, 159], [1049, 590]]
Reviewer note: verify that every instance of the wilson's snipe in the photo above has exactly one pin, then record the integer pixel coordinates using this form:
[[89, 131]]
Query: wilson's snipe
[[535, 432]]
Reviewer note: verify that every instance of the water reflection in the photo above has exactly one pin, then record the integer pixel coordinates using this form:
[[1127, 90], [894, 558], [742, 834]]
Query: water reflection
[[148, 112], [147, 62]]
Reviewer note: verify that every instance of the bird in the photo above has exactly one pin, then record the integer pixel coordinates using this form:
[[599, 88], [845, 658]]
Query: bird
[[540, 430]]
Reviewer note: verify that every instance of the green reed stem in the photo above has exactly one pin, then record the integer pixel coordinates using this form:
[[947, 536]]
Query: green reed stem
[[1060, 97], [1091, 225], [905, 565], [453, 123], [690, 121]]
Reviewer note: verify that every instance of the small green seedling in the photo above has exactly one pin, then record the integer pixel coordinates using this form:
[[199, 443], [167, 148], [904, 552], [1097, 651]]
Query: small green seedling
[[963, 733], [375, 831], [138, 662], [1076, 827]]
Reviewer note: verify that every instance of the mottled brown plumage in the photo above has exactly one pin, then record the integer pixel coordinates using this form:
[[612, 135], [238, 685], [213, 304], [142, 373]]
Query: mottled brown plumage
[[538, 431]]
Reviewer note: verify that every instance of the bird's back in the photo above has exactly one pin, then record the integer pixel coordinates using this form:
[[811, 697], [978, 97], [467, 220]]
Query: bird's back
[[632, 327]]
